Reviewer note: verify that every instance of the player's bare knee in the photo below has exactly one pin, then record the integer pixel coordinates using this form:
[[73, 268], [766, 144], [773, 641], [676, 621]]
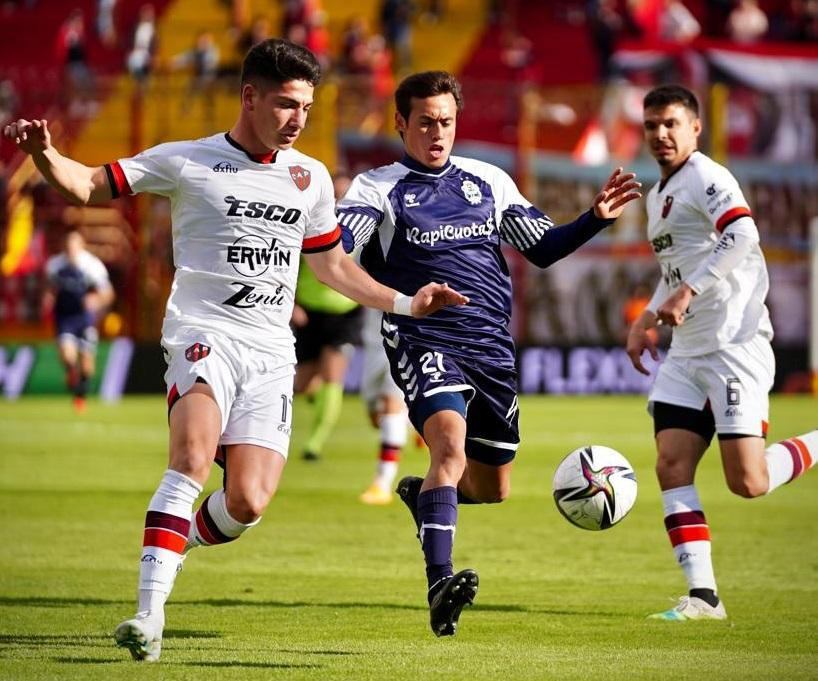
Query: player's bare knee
[[247, 506], [748, 486]]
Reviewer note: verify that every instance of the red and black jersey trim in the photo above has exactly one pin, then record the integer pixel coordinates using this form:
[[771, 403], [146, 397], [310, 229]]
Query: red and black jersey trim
[[322, 242], [267, 157], [731, 216], [117, 180]]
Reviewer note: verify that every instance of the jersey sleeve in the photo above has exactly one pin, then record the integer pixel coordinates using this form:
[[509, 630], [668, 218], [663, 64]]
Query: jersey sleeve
[[719, 197], [97, 274], [322, 232], [156, 170], [522, 225], [360, 212]]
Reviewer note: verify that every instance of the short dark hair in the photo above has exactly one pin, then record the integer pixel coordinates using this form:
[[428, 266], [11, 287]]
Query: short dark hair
[[664, 95], [277, 61], [426, 84]]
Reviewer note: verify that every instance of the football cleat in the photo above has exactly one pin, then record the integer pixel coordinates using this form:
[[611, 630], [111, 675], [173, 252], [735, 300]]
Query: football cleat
[[375, 495], [408, 490], [692, 608], [310, 456], [142, 636], [448, 601]]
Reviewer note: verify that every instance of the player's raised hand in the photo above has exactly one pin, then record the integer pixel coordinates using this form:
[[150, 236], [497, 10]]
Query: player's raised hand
[[433, 296], [639, 340], [620, 189], [32, 137]]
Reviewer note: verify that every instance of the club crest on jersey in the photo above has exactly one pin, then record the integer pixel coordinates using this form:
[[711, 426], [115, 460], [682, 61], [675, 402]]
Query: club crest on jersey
[[196, 352], [666, 207], [301, 177], [472, 192]]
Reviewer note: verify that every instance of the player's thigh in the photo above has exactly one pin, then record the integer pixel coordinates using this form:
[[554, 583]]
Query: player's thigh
[[68, 348], [739, 380], [332, 364], [194, 425]]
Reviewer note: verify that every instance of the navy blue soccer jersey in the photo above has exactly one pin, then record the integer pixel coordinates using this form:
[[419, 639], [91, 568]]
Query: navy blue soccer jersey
[[72, 280], [417, 225]]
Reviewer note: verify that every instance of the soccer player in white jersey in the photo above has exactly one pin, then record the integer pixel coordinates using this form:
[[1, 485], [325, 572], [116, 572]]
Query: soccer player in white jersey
[[436, 214], [720, 367], [78, 290], [244, 205]]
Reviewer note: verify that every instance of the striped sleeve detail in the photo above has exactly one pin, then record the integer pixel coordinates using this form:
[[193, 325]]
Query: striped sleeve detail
[[523, 228], [322, 242], [360, 225], [731, 216], [117, 180]]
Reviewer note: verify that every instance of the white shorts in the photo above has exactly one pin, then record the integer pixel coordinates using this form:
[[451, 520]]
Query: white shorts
[[376, 381], [736, 381], [253, 389]]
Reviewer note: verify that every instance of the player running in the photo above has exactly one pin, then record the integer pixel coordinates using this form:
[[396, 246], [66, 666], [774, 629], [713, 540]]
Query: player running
[[720, 367], [78, 290], [432, 214], [244, 205]]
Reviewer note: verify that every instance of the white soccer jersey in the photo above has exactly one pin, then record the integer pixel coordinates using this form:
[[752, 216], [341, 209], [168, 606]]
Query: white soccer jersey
[[686, 214], [94, 273], [239, 225]]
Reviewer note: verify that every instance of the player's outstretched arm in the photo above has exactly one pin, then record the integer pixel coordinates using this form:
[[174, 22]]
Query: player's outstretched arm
[[76, 182], [640, 340], [337, 270]]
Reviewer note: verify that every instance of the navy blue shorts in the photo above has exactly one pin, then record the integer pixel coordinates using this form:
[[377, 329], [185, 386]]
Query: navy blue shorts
[[78, 328], [483, 393]]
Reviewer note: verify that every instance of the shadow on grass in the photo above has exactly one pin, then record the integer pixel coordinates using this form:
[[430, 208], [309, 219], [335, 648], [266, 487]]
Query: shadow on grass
[[255, 665], [50, 602], [86, 660], [293, 651]]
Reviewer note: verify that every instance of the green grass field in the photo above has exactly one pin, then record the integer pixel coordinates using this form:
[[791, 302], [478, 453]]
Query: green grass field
[[326, 588]]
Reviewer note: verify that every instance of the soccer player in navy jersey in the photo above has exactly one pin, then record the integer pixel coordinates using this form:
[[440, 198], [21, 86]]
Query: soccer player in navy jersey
[[432, 215], [78, 289]]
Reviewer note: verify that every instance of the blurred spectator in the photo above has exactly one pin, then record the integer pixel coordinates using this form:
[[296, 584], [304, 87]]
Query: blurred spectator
[[297, 33], [396, 26], [140, 60], [318, 37], [381, 85], [203, 61], [71, 52], [747, 22], [645, 17], [8, 100], [354, 53], [106, 27], [677, 24], [604, 24], [259, 30], [295, 14], [516, 53]]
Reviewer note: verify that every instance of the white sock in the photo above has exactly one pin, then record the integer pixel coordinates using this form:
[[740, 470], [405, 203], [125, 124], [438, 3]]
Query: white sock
[[167, 524], [212, 524], [791, 458], [690, 536], [393, 429]]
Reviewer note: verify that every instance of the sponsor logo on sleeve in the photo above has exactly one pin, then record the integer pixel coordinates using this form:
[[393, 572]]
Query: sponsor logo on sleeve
[[301, 176]]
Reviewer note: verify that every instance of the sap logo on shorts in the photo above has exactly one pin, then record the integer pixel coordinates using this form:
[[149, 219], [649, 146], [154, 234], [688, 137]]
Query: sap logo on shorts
[[225, 167], [667, 206], [259, 209], [732, 412], [472, 192], [251, 256], [301, 176], [196, 352], [248, 297]]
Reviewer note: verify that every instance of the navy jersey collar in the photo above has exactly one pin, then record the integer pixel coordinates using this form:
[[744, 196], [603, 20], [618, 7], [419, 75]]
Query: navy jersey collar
[[418, 167]]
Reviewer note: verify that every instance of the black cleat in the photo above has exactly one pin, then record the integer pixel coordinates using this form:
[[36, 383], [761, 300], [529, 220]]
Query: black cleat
[[408, 490], [310, 456], [448, 601]]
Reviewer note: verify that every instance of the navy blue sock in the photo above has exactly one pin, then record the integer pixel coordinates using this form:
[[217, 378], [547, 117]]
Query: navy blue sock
[[437, 512]]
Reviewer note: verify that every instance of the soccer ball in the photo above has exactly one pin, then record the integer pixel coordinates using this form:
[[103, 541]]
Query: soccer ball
[[594, 487]]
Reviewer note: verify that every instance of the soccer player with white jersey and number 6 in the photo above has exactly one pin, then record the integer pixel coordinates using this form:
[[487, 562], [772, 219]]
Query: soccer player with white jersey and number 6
[[720, 366], [244, 205], [433, 214]]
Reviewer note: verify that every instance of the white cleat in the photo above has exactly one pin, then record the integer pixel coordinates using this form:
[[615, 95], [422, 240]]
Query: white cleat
[[692, 608], [142, 636]]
